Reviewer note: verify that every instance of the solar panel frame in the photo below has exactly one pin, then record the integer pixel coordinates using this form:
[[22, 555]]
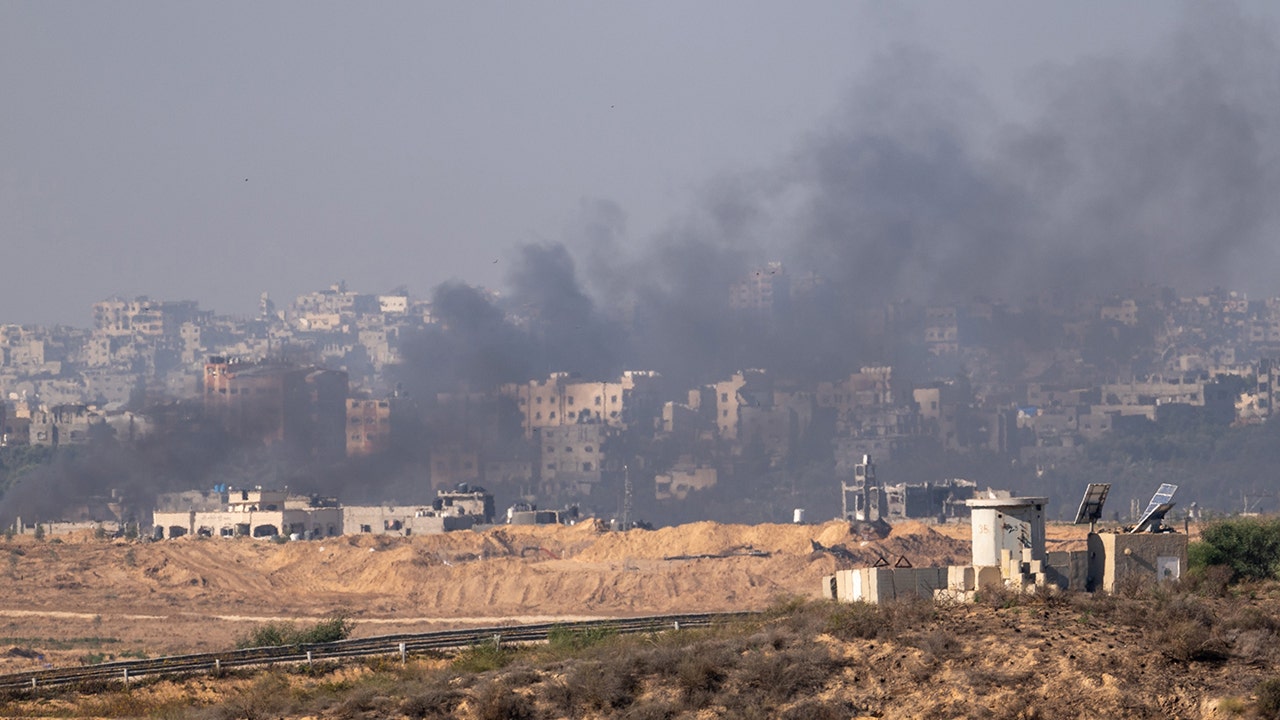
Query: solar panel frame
[[1091, 504], [1161, 503]]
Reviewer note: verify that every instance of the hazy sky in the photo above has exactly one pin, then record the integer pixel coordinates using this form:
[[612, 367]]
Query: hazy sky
[[212, 151]]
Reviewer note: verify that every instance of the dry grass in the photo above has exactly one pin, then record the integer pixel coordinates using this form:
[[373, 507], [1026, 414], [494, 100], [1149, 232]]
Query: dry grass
[[1153, 654]]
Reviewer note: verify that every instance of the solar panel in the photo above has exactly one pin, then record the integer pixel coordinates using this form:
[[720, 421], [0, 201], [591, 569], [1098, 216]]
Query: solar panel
[[1091, 506], [1160, 504]]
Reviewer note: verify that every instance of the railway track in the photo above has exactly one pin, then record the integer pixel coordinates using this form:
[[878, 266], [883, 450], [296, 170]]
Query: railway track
[[401, 645]]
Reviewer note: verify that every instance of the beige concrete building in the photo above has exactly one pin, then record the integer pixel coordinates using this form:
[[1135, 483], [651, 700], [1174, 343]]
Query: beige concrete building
[[574, 458], [561, 400], [247, 513]]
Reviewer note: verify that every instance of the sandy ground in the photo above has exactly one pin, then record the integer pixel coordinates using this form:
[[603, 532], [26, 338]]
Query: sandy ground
[[74, 597]]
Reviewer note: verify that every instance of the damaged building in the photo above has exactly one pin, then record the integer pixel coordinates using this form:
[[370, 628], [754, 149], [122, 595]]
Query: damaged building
[[234, 512]]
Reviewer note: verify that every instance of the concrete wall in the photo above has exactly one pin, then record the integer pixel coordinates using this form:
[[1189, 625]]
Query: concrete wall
[[1150, 556], [877, 585]]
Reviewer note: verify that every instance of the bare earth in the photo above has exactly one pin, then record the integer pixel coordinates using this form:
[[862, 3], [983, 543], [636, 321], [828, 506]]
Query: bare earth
[[82, 596]]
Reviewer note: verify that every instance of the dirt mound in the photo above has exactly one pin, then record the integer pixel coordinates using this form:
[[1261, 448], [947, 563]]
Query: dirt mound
[[200, 592]]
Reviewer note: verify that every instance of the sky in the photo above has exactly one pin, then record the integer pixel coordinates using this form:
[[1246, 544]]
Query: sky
[[215, 151]]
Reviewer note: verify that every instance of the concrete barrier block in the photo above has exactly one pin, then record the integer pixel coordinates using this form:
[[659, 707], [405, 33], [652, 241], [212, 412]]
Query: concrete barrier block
[[879, 586], [930, 579], [961, 577], [988, 577]]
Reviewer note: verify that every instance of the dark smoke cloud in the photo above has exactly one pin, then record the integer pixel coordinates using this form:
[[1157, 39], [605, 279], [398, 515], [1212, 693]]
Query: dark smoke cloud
[[568, 333], [471, 346], [1155, 170]]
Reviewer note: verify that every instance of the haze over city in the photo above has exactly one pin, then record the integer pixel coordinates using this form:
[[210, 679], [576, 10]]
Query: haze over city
[[217, 152]]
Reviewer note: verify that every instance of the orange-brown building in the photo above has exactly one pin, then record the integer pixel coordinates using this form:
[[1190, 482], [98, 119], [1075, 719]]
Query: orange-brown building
[[273, 402], [368, 426]]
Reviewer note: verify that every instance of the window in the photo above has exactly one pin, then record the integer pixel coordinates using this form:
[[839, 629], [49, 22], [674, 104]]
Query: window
[[597, 400], [568, 449], [571, 415], [613, 399], [537, 416], [589, 449], [551, 466], [538, 400], [724, 397], [586, 467], [570, 399], [550, 449], [552, 416]]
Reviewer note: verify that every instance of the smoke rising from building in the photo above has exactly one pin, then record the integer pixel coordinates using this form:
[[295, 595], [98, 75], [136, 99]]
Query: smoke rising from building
[[1155, 170]]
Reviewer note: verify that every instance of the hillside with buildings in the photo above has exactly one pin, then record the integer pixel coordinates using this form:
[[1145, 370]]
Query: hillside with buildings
[[388, 399]]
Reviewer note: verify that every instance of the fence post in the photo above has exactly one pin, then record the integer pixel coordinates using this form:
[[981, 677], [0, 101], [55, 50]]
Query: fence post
[[126, 676], [217, 666], [497, 641], [675, 624], [308, 657], [403, 654]]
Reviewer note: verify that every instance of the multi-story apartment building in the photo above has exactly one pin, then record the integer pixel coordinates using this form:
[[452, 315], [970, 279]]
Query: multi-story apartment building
[[279, 403], [368, 426], [634, 400]]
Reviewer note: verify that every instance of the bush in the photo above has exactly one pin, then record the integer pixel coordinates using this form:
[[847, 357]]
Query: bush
[[781, 676], [1249, 546], [563, 639], [499, 702], [1269, 698], [856, 621], [274, 634], [605, 687], [434, 701], [483, 658]]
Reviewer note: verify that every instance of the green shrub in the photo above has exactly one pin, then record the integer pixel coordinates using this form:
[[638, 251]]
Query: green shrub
[[273, 634], [1249, 546], [573, 640], [483, 658]]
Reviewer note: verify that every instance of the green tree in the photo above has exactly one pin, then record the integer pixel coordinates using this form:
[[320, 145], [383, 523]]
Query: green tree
[[1249, 546]]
